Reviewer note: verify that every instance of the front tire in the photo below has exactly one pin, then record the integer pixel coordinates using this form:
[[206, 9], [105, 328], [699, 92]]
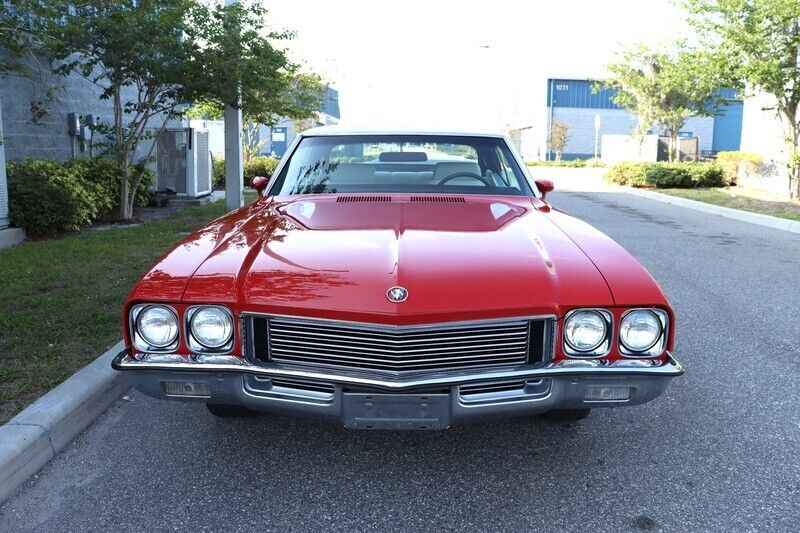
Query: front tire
[[229, 411], [566, 415]]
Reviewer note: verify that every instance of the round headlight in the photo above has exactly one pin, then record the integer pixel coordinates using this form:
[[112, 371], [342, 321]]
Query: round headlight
[[585, 331], [211, 326], [640, 330], [157, 325]]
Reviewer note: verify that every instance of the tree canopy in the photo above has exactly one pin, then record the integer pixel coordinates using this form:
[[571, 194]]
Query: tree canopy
[[151, 58], [757, 44], [664, 87]]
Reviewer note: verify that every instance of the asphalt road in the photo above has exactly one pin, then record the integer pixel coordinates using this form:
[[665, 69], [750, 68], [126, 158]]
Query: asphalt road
[[719, 451]]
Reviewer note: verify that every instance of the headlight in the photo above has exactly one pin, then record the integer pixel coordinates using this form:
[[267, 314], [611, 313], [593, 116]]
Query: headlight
[[156, 327], [586, 332], [641, 331], [210, 327]]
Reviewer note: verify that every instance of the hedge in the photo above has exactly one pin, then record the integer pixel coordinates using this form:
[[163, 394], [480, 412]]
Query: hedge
[[49, 197], [218, 172], [684, 175], [262, 165], [569, 163]]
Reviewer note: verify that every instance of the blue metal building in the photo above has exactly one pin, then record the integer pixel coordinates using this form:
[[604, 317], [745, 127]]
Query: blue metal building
[[577, 102]]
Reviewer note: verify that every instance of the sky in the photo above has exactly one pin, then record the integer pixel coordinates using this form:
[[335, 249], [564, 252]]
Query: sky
[[462, 64]]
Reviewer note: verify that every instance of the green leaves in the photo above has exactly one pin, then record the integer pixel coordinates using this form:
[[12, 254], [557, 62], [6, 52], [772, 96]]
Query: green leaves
[[664, 87], [666, 175], [50, 197], [757, 43], [559, 134]]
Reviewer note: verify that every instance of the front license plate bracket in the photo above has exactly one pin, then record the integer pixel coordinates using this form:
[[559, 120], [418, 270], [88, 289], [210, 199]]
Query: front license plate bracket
[[396, 411]]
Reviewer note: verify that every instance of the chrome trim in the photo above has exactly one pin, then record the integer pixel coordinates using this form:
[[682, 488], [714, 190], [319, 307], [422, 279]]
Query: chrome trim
[[445, 346], [605, 344], [123, 361], [133, 316], [198, 347], [661, 343], [426, 325]]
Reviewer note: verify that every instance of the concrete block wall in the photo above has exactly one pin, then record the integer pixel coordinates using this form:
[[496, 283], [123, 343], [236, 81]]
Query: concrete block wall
[[617, 122], [48, 138], [581, 126]]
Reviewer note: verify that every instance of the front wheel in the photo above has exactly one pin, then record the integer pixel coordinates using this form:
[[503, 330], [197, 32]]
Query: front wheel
[[229, 411], [566, 415]]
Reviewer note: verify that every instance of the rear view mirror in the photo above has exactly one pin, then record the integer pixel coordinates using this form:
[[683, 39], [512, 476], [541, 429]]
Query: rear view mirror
[[259, 183], [545, 186]]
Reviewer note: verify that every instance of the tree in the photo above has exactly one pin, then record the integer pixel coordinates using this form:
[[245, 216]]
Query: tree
[[559, 134], [151, 57], [299, 97], [758, 43], [665, 87]]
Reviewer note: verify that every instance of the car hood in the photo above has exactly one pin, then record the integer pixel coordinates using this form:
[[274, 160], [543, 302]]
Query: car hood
[[336, 257]]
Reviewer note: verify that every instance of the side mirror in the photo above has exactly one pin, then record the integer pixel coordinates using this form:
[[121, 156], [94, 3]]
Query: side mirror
[[545, 186], [259, 183]]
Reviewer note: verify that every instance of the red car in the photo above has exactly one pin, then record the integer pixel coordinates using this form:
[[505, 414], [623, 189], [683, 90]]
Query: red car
[[390, 280]]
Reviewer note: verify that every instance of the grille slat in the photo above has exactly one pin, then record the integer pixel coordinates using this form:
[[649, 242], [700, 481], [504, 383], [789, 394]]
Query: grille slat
[[398, 353], [416, 340], [381, 348]]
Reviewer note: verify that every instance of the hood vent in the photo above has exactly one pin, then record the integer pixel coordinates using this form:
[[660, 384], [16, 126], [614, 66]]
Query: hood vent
[[359, 199], [439, 199]]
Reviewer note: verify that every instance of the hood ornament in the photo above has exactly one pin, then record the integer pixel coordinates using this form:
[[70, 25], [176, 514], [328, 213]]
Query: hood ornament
[[397, 294]]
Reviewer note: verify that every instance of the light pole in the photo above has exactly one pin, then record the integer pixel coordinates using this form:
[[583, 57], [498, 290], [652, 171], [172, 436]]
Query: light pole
[[234, 197], [596, 134]]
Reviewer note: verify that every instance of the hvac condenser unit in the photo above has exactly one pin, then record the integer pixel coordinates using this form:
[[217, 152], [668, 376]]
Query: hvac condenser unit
[[183, 162]]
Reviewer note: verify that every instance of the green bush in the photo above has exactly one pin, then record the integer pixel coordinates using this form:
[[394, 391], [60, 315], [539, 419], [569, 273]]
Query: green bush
[[259, 166], [218, 172], [730, 162], [684, 175], [49, 197]]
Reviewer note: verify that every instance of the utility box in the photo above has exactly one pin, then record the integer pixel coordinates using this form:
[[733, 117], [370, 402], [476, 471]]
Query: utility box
[[183, 162]]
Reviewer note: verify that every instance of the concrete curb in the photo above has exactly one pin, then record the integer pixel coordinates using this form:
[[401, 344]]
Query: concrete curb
[[736, 214], [30, 439]]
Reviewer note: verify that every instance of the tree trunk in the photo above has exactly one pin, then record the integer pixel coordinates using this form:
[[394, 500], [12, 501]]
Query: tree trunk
[[123, 199], [673, 145], [789, 117]]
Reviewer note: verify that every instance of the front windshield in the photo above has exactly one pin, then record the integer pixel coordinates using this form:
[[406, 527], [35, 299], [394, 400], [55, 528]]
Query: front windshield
[[402, 164]]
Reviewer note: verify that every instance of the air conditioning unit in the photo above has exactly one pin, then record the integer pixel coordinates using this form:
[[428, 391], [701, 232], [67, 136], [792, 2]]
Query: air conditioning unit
[[183, 162]]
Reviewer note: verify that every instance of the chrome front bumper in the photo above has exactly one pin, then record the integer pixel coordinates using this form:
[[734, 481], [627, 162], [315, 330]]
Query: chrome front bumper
[[432, 400]]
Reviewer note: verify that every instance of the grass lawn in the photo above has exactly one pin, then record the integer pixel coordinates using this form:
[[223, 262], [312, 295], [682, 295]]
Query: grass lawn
[[60, 299], [744, 198]]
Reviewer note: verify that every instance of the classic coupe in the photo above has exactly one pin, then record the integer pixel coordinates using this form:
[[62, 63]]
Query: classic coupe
[[399, 280]]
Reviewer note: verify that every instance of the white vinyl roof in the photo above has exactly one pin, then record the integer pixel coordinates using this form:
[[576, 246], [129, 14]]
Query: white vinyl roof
[[344, 130]]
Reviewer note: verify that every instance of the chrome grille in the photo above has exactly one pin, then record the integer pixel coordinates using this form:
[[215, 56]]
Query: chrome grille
[[344, 344]]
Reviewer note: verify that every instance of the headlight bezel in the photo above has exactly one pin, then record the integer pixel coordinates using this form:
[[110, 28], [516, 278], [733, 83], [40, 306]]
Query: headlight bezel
[[140, 342], [194, 344], [603, 348], [658, 347]]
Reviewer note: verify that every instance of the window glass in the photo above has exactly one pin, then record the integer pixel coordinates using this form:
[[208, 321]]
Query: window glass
[[403, 164]]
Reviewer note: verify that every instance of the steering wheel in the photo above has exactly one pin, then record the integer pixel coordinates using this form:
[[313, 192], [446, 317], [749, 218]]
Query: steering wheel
[[465, 175]]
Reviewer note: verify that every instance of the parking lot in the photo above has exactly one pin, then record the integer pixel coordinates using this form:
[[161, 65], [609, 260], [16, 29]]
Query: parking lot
[[719, 451]]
